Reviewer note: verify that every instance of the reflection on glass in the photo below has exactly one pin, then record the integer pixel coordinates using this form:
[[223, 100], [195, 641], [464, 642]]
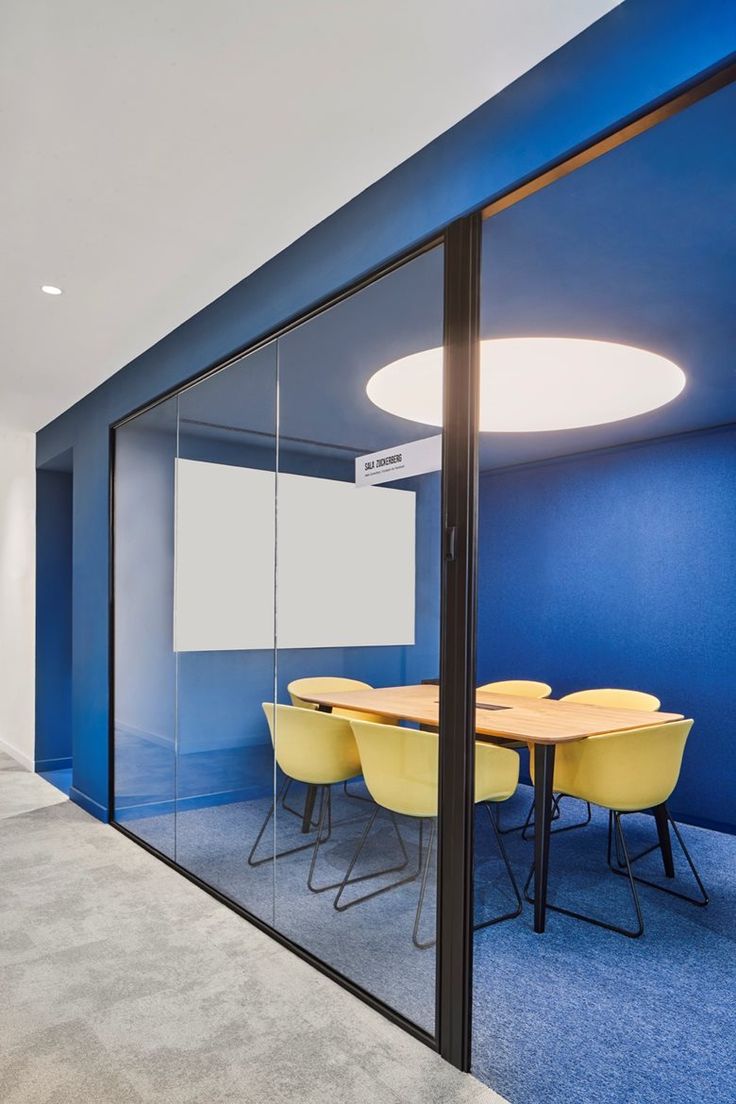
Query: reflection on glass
[[145, 664]]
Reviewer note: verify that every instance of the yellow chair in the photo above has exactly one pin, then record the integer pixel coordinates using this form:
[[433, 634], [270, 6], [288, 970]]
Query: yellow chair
[[320, 750], [613, 699], [628, 772], [523, 688], [326, 684], [400, 768], [616, 699]]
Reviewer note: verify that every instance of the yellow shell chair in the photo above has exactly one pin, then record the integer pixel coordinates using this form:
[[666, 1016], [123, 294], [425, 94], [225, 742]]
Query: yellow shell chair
[[320, 750], [613, 699], [628, 772], [325, 684], [522, 688], [400, 770]]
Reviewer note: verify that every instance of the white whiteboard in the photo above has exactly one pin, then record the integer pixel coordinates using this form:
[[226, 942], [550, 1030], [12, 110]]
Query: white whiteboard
[[345, 564]]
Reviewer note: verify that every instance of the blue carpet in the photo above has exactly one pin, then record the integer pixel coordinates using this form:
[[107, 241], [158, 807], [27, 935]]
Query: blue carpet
[[589, 1017], [62, 779], [578, 1014]]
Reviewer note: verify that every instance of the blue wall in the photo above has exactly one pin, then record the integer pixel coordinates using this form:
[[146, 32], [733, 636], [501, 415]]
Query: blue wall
[[619, 569], [630, 59], [53, 620]]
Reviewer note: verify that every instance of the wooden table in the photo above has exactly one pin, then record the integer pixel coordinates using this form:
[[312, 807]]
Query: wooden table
[[542, 723]]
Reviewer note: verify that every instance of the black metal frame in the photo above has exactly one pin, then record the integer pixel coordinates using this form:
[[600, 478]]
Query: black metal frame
[[459, 518], [458, 639]]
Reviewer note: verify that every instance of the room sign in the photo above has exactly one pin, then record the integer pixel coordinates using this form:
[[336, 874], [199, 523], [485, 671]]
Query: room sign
[[399, 462]]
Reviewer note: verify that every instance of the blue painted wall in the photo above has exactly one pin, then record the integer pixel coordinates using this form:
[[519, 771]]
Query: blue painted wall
[[53, 620], [619, 569], [633, 57]]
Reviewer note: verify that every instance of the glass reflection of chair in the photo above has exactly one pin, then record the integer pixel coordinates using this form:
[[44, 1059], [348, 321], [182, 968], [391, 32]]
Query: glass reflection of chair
[[522, 688], [612, 699], [628, 772], [326, 684], [400, 770], [318, 749]]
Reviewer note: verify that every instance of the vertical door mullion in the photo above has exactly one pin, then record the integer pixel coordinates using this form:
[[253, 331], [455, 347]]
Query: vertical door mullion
[[457, 645]]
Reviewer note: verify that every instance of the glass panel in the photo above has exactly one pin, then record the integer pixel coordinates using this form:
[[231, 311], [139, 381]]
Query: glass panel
[[245, 486], [606, 565], [145, 665], [225, 562], [358, 600]]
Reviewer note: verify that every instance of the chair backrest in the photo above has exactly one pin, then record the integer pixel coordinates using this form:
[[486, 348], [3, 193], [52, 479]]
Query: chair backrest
[[522, 687], [615, 699], [400, 768], [627, 771], [325, 684], [311, 746]]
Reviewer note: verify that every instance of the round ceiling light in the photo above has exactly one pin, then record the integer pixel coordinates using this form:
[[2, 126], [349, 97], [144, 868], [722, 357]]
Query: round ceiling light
[[51, 289], [531, 384]]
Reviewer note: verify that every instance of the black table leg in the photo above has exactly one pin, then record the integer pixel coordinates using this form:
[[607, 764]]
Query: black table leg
[[665, 842], [311, 797], [544, 768], [309, 801]]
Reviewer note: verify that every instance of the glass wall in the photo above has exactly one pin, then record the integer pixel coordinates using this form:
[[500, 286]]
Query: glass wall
[[277, 550]]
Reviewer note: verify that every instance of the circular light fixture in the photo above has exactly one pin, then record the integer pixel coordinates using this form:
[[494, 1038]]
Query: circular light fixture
[[531, 384], [51, 290]]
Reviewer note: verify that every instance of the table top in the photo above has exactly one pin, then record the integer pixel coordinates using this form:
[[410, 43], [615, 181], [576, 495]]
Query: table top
[[535, 720]]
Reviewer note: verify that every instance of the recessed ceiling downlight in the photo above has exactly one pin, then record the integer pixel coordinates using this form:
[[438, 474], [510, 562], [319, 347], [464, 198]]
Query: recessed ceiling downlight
[[531, 384], [51, 289]]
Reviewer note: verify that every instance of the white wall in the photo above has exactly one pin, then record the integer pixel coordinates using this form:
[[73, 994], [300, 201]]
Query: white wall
[[17, 594]]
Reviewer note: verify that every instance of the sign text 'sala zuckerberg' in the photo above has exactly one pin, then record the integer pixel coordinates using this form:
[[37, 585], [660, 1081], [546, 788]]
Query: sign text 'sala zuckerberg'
[[401, 462]]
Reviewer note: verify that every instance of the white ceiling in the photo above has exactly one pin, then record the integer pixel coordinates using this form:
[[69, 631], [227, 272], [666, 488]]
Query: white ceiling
[[154, 153]]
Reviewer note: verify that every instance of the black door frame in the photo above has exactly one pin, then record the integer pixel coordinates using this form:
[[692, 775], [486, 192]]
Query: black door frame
[[461, 242]]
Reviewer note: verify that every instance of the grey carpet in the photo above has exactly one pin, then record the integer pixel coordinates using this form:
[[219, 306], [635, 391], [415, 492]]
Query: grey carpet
[[122, 982]]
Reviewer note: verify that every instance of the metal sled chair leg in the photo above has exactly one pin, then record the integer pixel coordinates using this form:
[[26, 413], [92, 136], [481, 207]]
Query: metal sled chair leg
[[253, 861], [347, 880], [423, 945], [662, 844], [556, 814], [631, 933], [523, 827]]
